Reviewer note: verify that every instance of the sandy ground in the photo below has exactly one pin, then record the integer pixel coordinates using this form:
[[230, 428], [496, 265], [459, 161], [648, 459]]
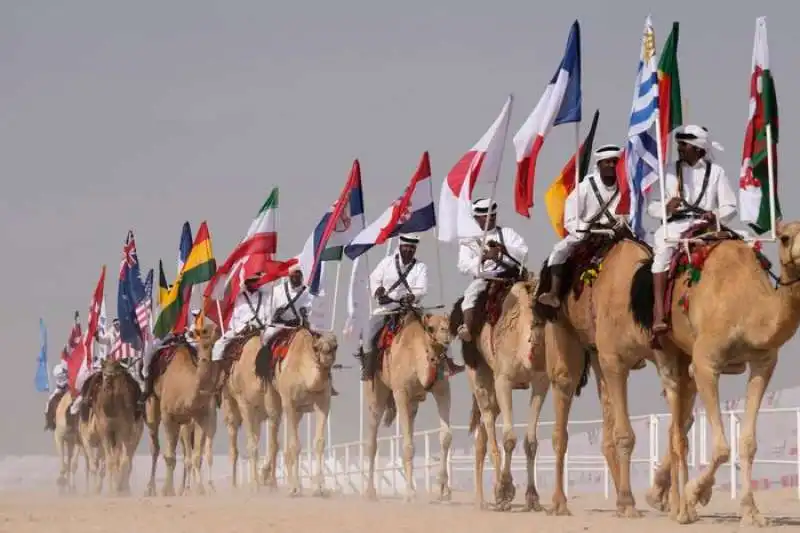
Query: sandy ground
[[243, 512]]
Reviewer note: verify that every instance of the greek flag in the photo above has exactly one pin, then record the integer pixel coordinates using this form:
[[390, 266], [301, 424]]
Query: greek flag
[[641, 154]]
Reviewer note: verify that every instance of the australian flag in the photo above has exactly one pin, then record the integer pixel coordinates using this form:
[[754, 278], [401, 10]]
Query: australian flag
[[130, 294]]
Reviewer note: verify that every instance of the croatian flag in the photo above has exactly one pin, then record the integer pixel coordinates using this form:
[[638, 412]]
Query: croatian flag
[[337, 228], [560, 104], [412, 212], [481, 161]]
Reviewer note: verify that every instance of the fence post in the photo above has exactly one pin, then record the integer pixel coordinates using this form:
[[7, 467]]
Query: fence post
[[797, 450], [428, 462], [734, 452]]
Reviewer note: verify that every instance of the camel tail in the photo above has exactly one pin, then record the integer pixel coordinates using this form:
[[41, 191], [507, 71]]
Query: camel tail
[[391, 411], [641, 298], [474, 416]]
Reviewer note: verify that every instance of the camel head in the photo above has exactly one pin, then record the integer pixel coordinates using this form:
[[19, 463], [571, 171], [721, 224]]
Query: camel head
[[789, 247], [438, 326], [204, 337], [325, 346], [110, 369]]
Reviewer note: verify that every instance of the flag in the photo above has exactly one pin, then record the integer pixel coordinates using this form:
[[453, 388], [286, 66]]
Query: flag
[[75, 336], [337, 228], [754, 187], [163, 286], [563, 185], [670, 106], [200, 266], [81, 356], [184, 248], [560, 104], [144, 310], [358, 298], [641, 154], [253, 254], [130, 292], [42, 381], [412, 212], [482, 160], [98, 349]]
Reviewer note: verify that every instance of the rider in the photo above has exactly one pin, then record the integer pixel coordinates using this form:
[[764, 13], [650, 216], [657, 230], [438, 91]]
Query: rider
[[502, 257], [101, 349], [695, 186], [250, 308], [593, 201], [61, 375], [291, 305]]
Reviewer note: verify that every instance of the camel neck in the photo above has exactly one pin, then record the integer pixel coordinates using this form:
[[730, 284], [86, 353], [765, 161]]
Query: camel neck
[[781, 311]]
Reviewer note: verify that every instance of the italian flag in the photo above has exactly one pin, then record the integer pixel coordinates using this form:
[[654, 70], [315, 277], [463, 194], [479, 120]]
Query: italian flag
[[670, 110], [754, 189]]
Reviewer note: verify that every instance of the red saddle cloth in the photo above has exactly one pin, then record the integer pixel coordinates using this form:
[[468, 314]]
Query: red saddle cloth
[[233, 350], [496, 292], [388, 332], [163, 357], [279, 344]]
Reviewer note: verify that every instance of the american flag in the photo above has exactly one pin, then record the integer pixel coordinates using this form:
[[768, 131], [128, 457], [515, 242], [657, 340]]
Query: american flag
[[144, 311], [121, 350]]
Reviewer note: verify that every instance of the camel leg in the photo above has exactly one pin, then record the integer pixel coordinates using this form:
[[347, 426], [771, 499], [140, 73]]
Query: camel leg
[[172, 433], [376, 394], [321, 408], [153, 421], [707, 378], [616, 379], [208, 448], [539, 387], [441, 394], [607, 445], [269, 471], [63, 451], [252, 430], [292, 453], [111, 462], [482, 384], [505, 490], [481, 440], [74, 460], [186, 448], [761, 370], [198, 449], [406, 417], [233, 420]]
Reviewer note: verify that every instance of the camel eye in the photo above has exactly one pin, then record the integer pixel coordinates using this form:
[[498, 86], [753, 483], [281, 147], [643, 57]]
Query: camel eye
[[784, 239]]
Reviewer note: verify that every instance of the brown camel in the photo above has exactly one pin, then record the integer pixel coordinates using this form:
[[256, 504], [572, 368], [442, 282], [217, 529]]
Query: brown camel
[[506, 356], [710, 325], [182, 394], [578, 335], [118, 421], [297, 383], [412, 366], [68, 444]]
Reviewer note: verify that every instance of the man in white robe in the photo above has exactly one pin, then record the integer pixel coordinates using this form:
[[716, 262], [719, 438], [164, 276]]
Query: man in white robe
[[697, 191], [290, 304], [593, 202], [503, 257], [61, 379], [251, 307]]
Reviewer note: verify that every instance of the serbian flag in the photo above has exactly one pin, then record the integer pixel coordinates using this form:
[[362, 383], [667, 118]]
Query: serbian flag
[[560, 104], [337, 228], [82, 355], [413, 212], [481, 161], [556, 196]]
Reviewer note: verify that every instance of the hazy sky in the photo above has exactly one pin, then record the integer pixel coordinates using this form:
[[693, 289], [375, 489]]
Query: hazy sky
[[119, 115]]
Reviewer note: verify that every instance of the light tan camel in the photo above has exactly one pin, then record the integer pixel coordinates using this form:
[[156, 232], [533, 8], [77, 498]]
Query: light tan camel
[[245, 401], [188, 439], [721, 335], [182, 395], [412, 367], [68, 445], [299, 383], [595, 327], [507, 356], [91, 440], [117, 421]]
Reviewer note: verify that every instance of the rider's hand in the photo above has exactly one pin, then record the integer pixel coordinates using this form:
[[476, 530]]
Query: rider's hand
[[409, 298], [673, 204], [381, 292], [710, 217]]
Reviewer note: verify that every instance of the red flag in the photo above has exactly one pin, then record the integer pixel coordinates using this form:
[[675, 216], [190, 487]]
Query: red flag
[[82, 354]]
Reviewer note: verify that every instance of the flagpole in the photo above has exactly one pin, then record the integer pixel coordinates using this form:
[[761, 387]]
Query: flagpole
[[496, 179], [336, 294], [771, 177]]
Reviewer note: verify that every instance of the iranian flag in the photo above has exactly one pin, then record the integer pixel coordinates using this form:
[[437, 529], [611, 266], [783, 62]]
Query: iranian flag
[[760, 139], [253, 254], [670, 109]]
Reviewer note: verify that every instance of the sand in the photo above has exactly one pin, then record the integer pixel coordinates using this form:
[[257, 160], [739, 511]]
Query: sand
[[243, 512]]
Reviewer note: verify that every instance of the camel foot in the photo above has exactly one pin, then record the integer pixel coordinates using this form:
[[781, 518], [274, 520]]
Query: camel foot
[[699, 493], [504, 492], [559, 509], [532, 500], [445, 494], [655, 498], [211, 488], [320, 492], [481, 505], [294, 492], [628, 511], [150, 491], [371, 494], [168, 491], [687, 515], [61, 482], [751, 516], [200, 490]]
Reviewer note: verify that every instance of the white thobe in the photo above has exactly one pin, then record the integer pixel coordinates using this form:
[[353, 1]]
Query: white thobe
[[581, 208], [718, 197], [61, 378], [281, 311], [469, 261], [386, 275], [256, 311]]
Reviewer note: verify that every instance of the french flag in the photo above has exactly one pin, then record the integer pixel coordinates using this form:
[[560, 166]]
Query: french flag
[[560, 104], [413, 212], [481, 161]]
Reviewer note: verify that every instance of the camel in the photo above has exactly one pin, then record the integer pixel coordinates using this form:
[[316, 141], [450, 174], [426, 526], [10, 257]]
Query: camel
[[720, 336], [68, 444], [117, 420], [182, 394], [188, 439], [409, 369], [297, 383], [578, 337], [506, 355]]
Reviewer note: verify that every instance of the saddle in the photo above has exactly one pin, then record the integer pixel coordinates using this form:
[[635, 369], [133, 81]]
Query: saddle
[[274, 352], [163, 357], [233, 349], [50, 414], [89, 392]]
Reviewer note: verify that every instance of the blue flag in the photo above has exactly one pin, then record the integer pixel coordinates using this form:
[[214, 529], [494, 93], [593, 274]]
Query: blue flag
[[130, 294], [185, 245], [41, 381]]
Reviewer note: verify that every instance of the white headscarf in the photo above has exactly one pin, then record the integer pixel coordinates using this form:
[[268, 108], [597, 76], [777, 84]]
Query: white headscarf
[[700, 137]]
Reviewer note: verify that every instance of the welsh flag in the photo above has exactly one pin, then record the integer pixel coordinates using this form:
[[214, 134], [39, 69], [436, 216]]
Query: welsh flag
[[670, 109], [754, 190]]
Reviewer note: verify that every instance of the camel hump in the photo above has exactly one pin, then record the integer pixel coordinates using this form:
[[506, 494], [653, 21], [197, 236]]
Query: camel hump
[[234, 347], [274, 352]]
